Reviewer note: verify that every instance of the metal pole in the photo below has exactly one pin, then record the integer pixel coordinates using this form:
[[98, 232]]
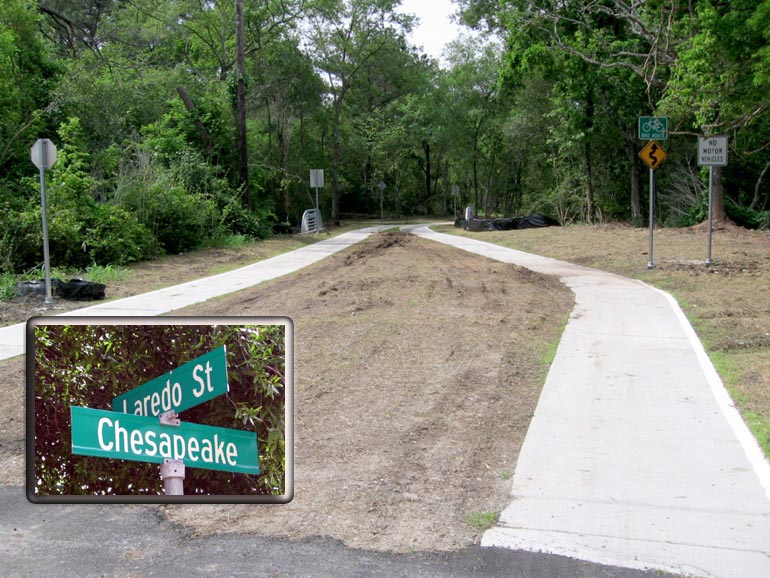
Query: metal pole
[[172, 471], [711, 213], [317, 208], [44, 208], [651, 262], [172, 474]]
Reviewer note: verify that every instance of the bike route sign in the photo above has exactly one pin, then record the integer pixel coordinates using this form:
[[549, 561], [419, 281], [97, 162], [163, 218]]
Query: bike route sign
[[653, 128]]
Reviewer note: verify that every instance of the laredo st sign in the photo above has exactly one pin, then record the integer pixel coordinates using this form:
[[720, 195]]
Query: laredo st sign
[[108, 434], [188, 385]]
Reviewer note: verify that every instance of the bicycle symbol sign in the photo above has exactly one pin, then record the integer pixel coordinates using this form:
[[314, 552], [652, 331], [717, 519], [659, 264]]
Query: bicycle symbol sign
[[653, 128]]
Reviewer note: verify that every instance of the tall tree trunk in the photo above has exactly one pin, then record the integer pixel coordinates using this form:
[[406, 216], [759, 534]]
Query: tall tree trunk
[[240, 121], [636, 193], [426, 149], [336, 158], [590, 206], [718, 191], [202, 132]]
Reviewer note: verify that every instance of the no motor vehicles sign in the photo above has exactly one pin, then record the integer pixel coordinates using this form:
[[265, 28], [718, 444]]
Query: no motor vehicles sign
[[712, 151]]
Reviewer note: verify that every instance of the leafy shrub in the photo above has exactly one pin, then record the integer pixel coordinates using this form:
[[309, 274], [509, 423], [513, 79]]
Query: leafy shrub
[[113, 236]]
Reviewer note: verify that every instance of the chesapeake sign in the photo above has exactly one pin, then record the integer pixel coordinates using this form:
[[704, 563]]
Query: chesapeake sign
[[109, 434], [188, 385]]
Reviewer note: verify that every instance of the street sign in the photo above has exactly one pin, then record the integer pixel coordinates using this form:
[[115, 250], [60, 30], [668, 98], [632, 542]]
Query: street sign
[[653, 128], [712, 151], [653, 155], [316, 178], [43, 154], [108, 434], [188, 385]]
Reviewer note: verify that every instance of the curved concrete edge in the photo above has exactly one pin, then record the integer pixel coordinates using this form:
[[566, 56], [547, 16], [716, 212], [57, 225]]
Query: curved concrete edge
[[612, 551], [730, 412]]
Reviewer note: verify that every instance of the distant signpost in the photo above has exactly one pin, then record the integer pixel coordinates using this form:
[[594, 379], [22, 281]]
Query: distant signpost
[[712, 152], [43, 155], [652, 128]]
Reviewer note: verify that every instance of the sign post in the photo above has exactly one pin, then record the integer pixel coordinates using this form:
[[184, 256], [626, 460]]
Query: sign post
[[712, 152], [653, 155], [43, 154]]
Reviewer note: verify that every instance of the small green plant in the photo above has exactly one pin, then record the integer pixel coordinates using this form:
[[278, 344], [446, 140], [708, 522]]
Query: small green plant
[[506, 475], [105, 273], [482, 520], [7, 286]]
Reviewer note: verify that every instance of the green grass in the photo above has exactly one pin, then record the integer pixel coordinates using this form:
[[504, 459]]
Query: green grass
[[482, 521]]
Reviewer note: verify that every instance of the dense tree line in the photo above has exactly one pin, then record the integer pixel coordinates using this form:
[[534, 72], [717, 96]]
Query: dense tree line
[[182, 122]]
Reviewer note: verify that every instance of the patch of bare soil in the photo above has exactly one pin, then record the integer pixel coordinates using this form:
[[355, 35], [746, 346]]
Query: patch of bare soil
[[417, 370], [12, 389]]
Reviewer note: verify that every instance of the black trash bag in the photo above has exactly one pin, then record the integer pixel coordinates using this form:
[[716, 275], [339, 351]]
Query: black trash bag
[[81, 290], [74, 289], [36, 287]]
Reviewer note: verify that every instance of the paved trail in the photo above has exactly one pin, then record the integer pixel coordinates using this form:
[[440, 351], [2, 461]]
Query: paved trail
[[635, 455]]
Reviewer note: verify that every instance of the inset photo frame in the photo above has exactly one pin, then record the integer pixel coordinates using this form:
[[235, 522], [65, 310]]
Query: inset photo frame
[[160, 409]]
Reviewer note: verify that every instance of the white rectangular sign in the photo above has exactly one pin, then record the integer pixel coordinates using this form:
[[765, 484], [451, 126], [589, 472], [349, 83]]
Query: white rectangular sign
[[317, 178], [712, 151]]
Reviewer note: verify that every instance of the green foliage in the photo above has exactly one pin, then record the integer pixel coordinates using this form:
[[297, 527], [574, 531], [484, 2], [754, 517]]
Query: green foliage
[[89, 365], [482, 521]]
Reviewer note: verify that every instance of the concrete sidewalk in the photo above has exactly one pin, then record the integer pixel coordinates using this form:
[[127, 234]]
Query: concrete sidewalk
[[173, 298], [635, 455]]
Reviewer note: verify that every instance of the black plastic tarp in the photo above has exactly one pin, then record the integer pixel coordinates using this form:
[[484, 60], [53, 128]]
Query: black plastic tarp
[[536, 220]]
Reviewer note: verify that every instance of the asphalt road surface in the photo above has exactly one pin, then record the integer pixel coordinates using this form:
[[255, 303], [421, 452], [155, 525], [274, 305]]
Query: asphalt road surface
[[127, 541]]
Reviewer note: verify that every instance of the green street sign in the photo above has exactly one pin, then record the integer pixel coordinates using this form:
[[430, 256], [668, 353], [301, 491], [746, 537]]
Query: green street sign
[[108, 434], [188, 385], [653, 128]]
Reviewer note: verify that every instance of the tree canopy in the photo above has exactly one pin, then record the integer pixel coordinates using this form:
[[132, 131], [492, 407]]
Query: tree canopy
[[181, 123]]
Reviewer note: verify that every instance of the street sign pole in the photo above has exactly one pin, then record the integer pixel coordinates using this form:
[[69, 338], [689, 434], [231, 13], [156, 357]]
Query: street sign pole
[[653, 155], [712, 152], [651, 261], [43, 155], [172, 470], [711, 214]]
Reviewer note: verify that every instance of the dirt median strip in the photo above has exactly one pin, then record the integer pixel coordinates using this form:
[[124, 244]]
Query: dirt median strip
[[418, 368]]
